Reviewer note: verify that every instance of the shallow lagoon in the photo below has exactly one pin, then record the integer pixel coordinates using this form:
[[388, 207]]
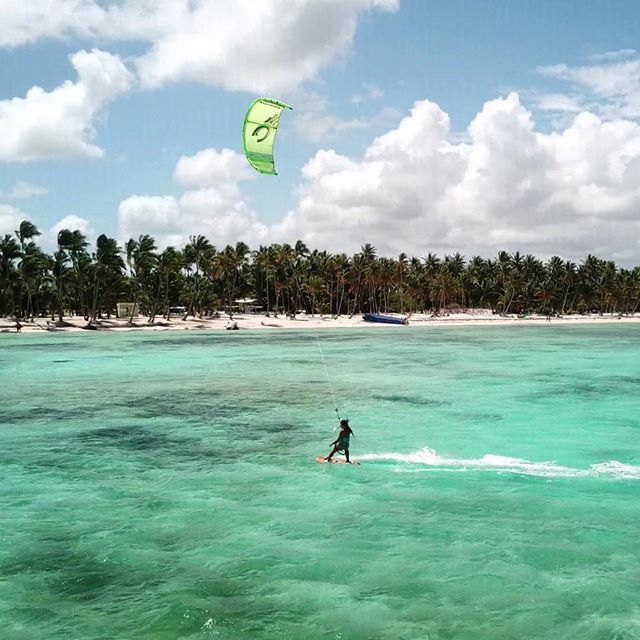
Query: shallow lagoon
[[162, 485]]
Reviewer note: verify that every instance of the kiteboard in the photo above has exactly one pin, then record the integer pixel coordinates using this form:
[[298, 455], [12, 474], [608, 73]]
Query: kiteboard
[[323, 460]]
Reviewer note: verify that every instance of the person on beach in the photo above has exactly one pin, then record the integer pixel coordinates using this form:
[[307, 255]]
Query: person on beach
[[341, 443]]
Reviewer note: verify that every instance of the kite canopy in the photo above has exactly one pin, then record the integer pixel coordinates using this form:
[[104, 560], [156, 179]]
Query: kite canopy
[[259, 133]]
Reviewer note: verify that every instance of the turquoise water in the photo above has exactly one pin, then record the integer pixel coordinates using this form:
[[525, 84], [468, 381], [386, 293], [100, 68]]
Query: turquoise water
[[162, 485]]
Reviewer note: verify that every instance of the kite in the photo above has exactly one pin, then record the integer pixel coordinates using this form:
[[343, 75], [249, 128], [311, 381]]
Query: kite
[[259, 133]]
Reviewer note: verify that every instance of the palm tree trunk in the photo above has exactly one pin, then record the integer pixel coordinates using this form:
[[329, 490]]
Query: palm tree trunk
[[133, 309], [94, 306]]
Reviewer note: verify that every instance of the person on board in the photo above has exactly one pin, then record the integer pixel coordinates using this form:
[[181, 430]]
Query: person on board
[[341, 443]]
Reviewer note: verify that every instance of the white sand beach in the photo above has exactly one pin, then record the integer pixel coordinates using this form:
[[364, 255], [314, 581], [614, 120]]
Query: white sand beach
[[251, 321]]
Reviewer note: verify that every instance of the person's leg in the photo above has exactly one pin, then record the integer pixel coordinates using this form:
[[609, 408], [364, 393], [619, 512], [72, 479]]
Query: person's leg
[[346, 453], [328, 458]]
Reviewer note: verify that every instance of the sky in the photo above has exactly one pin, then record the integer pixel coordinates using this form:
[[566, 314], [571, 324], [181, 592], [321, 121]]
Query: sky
[[418, 126]]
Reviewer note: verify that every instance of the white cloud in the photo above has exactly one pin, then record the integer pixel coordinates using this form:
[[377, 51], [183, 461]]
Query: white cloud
[[317, 126], [615, 78], [509, 187], [59, 124], [558, 102], [72, 223], [215, 208], [271, 45], [610, 86], [371, 92], [314, 121], [607, 56], [22, 190], [10, 218], [26, 22], [209, 167], [243, 45], [49, 238]]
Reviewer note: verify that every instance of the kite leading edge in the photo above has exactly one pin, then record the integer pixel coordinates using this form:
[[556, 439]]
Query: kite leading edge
[[259, 133]]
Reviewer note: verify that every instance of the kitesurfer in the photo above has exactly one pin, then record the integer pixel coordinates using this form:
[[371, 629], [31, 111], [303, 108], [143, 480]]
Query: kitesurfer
[[341, 443]]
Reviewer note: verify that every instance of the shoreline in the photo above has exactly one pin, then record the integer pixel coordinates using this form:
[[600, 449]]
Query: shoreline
[[261, 322]]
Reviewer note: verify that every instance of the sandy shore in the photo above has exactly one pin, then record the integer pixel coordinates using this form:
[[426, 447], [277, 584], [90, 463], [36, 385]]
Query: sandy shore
[[302, 321]]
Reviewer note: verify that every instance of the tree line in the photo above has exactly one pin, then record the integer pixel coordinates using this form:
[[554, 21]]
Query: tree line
[[285, 278]]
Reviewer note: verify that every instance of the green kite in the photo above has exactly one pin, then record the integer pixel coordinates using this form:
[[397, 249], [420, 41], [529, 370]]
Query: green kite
[[259, 133]]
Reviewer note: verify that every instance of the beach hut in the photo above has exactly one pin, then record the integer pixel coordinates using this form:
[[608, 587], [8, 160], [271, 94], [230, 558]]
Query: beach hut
[[245, 305], [125, 309]]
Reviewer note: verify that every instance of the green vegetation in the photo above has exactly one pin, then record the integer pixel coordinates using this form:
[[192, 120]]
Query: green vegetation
[[285, 279]]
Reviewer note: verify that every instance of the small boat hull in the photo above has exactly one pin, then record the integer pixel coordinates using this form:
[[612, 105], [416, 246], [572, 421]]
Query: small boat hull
[[378, 317]]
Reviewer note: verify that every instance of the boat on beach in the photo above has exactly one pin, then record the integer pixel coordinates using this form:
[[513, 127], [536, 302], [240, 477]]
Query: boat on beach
[[378, 317]]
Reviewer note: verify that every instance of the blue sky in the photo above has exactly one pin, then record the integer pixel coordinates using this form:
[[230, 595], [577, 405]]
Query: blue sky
[[417, 126]]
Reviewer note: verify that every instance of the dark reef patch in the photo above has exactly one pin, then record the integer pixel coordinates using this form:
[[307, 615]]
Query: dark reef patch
[[408, 399]]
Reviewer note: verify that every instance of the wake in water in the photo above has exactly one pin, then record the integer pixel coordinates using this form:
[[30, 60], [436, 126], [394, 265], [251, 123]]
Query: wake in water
[[503, 464]]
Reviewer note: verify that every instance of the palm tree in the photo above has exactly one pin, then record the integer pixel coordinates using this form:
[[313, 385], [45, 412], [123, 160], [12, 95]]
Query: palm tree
[[74, 244], [26, 231], [279, 258], [263, 261], [141, 259], [455, 267], [401, 270], [507, 279], [340, 264], [170, 262], [415, 286], [34, 271], [108, 272], [299, 265], [316, 289], [9, 252], [532, 273], [60, 272], [231, 263], [431, 270], [199, 253], [362, 275]]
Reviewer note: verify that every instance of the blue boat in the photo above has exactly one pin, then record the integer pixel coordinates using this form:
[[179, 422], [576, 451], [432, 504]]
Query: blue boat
[[378, 317]]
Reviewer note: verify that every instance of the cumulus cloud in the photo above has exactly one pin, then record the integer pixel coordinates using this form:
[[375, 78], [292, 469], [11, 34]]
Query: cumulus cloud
[[10, 218], [271, 45], [509, 187], [59, 123], [210, 167], [72, 223], [214, 208]]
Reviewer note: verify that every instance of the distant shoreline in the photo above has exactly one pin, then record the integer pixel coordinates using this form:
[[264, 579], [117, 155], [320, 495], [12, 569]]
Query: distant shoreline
[[302, 321]]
